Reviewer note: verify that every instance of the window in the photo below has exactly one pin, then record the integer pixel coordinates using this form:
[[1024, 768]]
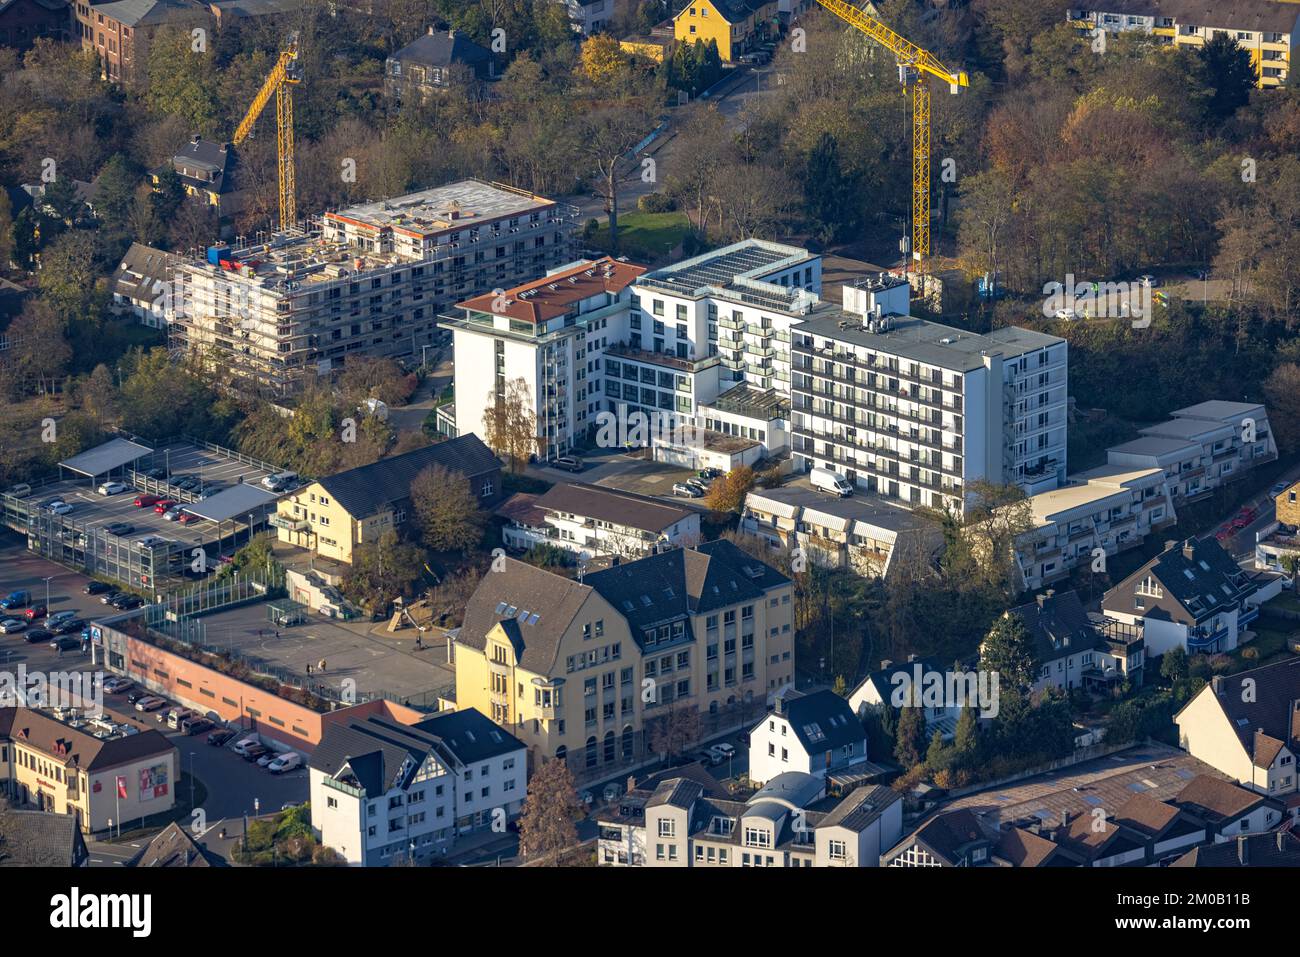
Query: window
[[838, 851]]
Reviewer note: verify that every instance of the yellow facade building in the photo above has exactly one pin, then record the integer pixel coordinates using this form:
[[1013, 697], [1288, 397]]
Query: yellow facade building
[[733, 24], [634, 659]]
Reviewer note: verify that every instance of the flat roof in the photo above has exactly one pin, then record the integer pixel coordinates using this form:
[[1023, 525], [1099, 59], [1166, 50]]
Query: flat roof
[[923, 341], [865, 509], [102, 459], [1046, 505], [233, 502], [735, 272], [747, 401], [1155, 445], [443, 208], [1186, 428], [1217, 410]]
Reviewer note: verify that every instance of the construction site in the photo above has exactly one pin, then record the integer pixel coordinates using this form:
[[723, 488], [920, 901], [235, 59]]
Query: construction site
[[366, 280]]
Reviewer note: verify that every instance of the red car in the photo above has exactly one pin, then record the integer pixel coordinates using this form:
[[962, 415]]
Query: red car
[[185, 518], [144, 501], [36, 611], [165, 505]]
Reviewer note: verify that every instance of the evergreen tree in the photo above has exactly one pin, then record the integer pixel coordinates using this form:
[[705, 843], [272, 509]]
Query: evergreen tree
[[910, 743], [1225, 69], [966, 740], [828, 192], [1008, 652]]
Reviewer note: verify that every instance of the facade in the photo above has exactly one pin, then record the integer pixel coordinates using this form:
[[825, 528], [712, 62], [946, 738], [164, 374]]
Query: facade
[[814, 734], [1247, 726], [435, 63], [120, 31], [735, 25], [594, 521], [1072, 650], [1202, 447], [552, 333], [23, 22], [366, 280], [1193, 596], [1277, 546], [1268, 30], [914, 411], [888, 685], [333, 516], [595, 16], [583, 671], [140, 285], [1110, 508], [789, 822], [384, 792], [63, 770], [949, 839], [870, 538]]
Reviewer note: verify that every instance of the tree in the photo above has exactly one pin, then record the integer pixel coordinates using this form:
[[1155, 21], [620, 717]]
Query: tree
[[1225, 68], [39, 350], [1282, 391], [510, 424], [909, 737], [829, 195], [727, 493], [381, 571], [6, 231], [603, 59], [1008, 652], [70, 278], [966, 739], [1174, 665], [547, 822], [447, 510], [606, 136], [115, 193], [674, 731], [99, 395]]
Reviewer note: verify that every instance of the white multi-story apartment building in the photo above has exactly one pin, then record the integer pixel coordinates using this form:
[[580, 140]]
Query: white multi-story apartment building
[[368, 280], [915, 411], [553, 334], [382, 791]]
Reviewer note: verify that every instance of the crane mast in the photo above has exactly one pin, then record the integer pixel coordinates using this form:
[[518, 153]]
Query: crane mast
[[279, 83]]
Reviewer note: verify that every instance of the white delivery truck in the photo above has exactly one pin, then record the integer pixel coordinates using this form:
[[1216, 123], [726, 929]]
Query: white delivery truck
[[830, 481]]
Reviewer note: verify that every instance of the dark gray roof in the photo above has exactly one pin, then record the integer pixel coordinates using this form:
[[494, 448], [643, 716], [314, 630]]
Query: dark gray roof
[[613, 505], [233, 502], [1059, 626], [174, 847], [947, 836], [366, 490], [470, 735], [443, 49], [861, 807], [883, 680], [40, 839], [678, 792], [75, 748], [1275, 849], [152, 12], [140, 272], [823, 721], [1197, 574], [1268, 715]]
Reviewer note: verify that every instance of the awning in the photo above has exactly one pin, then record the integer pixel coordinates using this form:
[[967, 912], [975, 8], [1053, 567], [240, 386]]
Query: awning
[[234, 502], [102, 459]]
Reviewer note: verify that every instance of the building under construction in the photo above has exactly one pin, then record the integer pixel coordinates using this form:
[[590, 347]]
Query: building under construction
[[368, 280]]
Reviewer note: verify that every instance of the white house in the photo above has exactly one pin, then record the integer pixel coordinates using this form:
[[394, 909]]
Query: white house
[[384, 792], [814, 734]]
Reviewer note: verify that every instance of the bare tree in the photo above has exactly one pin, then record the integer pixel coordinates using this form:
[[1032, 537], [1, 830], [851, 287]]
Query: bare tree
[[547, 823], [608, 136], [510, 424]]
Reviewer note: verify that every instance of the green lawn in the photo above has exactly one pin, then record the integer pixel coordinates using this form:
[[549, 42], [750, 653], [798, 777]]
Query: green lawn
[[646, 236]]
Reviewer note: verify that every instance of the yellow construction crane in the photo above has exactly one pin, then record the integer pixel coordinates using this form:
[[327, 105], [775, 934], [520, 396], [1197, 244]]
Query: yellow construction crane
[[280, 83], [914, 65]]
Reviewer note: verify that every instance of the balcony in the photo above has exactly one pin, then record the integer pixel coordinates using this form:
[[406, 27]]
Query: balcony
[[289, 524]]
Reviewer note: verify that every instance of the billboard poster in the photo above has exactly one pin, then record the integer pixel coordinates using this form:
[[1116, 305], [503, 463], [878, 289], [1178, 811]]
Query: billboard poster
[[153, 782]]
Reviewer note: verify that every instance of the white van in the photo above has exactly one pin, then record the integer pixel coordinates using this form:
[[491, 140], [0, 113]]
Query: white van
[[830, 481], [285, 762]]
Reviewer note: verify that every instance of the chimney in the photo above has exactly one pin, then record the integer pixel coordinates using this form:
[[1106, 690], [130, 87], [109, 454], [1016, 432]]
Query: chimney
[[886, 664], [1243, 850], [1216, 683], [1295, 722], [1169, 543], [451, 34], [1281, 840], [1046, 597], [778, 703], [1065, 819], [1189, 549], [631, 781], [911, 658], [430, 31]]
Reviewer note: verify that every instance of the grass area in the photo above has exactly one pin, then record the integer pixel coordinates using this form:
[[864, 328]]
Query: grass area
[[1286, 601], [647, 236]]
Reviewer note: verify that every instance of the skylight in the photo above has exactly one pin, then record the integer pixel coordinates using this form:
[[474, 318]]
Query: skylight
[[501, 607]]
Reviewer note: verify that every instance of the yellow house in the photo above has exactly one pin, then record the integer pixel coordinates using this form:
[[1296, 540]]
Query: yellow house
[[602, 672], [733, 24], [335, 515]]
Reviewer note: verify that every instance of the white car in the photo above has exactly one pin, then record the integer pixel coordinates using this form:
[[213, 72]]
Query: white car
[[722, 752], [111, 488], [172, 514], [284, 762], [687, 491], [1069, 315], [12, 626], [60, 508]]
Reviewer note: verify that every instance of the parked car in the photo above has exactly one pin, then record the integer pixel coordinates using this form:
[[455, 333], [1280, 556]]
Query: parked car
[[70, 626], [59, 617], [155, 473], [96, 588], [1149, 281], [220, 736], [1278, 489], [136, 695], [710, 473], [243, 744], [66, 643], [687, 491], [722, 752], [254, 752], [116, 684], [196, 725], [60, 508], [172, 514], [165, 505], [147, 501], [119, 528], [127, 602], [266, 759], [570, 463], [611, 792], [111, 488], [16, 599], [11, 626], [150, 703], [185, 518], [186, 484], [285, 762], [110, 597], [36, 611], [37, 635], [151, 541]]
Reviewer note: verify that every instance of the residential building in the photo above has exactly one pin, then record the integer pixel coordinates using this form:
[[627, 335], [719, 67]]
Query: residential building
[[63, 770], [1072, 650], [1277, 545], [1268, 30], [1228, 810], [581, 670], [435, 63], [949, 839], [1202, 447], [595, 16], [174, 846], [120, 31], [1279, 849], [889, 685], [593, 521], [367, 280], [206, 170], [863, 535], [553, 334], [1101, 512], [735, 25], [23, 22], [334, 515], [789, 822], [815, 734], [385, 792], [1247, 726], [1193, 595], [141, 286], [37, 839], [914, 411]]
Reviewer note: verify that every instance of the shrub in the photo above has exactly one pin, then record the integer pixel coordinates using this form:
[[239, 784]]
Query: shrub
[[656, 203]]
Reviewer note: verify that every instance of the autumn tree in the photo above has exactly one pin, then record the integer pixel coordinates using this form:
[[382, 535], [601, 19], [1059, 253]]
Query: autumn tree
[[606, 136], [510, 424], [603, 59], [548, 820], [1282, 392], [381, 571], [727, 493], [447, 510]]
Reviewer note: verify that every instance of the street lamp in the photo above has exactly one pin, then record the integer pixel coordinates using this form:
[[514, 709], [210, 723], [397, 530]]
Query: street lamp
[[47, 593], [191, 781]]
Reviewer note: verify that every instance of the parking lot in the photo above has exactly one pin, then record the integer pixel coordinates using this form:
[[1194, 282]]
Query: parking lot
[[21, 570]]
